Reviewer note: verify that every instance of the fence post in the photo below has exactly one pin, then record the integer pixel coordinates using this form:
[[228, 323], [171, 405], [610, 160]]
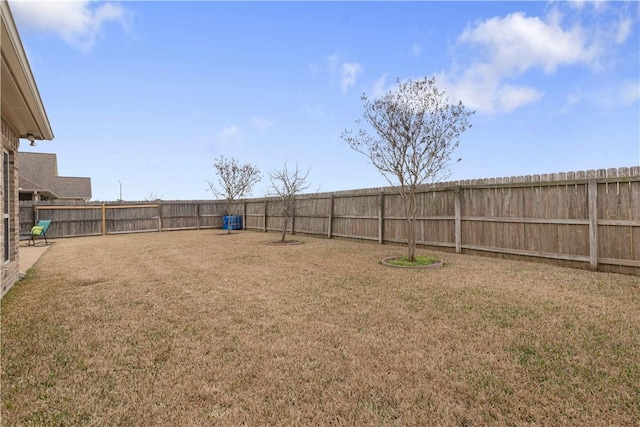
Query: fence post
[[244, 215], [380, 218], [104, 219], [198, 216], [264, 217], [159, 218], [458, 221], [330, 225], [593, 224], [293, 218]]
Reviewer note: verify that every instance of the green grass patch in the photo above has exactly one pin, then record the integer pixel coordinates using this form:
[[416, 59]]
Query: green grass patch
[[420, 261]]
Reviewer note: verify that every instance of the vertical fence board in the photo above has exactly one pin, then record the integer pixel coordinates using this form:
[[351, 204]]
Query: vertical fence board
[[458, 222], [381, 218], [330, 225], [593, 223]]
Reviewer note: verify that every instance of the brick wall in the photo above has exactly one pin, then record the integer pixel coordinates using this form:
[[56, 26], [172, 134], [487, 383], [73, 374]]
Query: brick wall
[[9, 270]]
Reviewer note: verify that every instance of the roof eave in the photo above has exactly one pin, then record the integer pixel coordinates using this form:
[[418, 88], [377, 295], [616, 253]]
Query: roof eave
[[13, 54]]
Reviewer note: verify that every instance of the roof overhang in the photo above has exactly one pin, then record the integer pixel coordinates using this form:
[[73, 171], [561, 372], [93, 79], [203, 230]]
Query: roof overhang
[[20, 100], [42, 193]]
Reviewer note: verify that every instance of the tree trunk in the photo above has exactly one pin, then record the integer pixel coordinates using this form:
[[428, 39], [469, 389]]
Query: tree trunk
[[284, 229], [411, 239], [228, 209], [411, 211]]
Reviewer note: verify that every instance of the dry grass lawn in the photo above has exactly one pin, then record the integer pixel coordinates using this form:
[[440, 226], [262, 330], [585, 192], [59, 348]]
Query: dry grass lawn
[[201, 328]]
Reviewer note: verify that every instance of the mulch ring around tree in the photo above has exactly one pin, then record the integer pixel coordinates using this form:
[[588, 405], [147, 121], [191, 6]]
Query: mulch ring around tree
[[436, 265], [285, 243]]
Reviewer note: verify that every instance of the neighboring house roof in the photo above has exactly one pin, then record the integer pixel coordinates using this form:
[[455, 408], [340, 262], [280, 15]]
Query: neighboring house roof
[[28, 186], [20, 101], [39, 172]]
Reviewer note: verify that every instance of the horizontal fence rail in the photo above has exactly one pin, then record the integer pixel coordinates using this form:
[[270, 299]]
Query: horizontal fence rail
[[588, 219]]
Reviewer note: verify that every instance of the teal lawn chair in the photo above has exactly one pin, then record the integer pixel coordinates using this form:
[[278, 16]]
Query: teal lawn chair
[[39, 230]]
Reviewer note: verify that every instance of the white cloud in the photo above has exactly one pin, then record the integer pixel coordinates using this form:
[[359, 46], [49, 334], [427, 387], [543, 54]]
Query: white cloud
[[623, 93], [228, 137], [416, 49], [511, 97], [333, 63], [572, 101], [623, 30], [629, 92], [503, 49], [516, 43], [78, 22], [581, 5], [606, 24], [482, 90], [378, 86], [348, 74], [262, 123]]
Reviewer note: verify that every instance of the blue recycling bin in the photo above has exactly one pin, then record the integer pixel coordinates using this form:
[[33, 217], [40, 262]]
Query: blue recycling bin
[[232, 222]]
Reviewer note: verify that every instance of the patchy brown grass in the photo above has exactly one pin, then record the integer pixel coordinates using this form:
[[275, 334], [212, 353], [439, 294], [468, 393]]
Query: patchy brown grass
[[192, 328]]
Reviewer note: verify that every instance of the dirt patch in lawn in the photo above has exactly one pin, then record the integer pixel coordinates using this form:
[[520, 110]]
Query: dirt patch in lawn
[[284, 243], [184, 328]]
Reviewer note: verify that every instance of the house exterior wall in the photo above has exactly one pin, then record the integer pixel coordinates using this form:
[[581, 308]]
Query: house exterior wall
[[9, 273]]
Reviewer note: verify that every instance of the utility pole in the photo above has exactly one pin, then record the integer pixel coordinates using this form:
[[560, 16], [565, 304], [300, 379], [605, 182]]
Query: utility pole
[[120, 190]]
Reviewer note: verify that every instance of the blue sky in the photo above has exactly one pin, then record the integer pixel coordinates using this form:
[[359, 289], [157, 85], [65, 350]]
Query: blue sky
[[150, 93]]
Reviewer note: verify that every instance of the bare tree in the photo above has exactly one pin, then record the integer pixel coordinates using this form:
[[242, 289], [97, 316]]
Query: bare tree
[[235, 181], [286, 185], [152, 196], [415, 131]]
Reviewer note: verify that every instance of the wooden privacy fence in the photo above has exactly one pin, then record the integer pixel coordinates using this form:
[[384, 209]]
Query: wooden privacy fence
[[581, 219], [73, 220]]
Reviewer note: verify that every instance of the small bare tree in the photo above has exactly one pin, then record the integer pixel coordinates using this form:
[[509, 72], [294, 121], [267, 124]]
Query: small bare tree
[[235, 181], [152, 196], [415, 131], [286, 185]]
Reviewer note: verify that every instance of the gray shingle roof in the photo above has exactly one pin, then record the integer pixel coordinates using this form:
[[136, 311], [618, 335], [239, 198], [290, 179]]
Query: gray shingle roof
[[39, 172]]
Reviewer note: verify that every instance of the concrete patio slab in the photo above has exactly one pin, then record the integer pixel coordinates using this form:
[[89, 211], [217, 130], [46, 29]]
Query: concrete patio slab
[[29, 255]]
